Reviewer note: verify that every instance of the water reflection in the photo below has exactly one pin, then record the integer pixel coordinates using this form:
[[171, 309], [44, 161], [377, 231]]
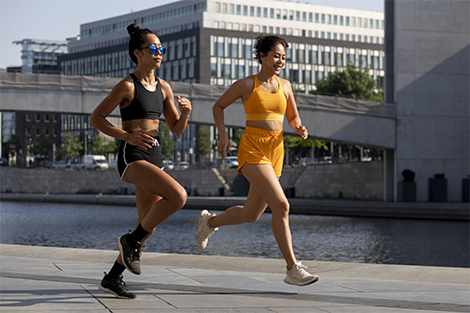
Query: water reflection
[[321, 238]]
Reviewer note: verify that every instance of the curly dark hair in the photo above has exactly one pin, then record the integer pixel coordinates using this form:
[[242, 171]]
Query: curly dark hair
[[264, 44], [137, 39]]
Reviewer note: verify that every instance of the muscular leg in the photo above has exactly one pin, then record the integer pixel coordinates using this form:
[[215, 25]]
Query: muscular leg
[[156, 189], [265, 190], [144, 202]]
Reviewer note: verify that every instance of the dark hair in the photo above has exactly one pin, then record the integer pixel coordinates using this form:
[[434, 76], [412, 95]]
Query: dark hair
[[137, 39], [264, 44]]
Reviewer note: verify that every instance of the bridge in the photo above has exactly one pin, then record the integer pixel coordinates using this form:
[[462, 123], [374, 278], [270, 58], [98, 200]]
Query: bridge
[[329, 118]]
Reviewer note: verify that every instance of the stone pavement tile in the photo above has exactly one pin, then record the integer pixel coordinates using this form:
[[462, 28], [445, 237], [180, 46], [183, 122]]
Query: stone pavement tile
[[28, 265], [216, 310], [146, 299], [436, 296], [154, 274], [34, 295], [365, 309], [194, 300]]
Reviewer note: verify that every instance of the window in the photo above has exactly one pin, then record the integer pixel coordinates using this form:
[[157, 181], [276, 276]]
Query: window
[[28, 117], [38, 117], [224, 8], [271, 13], [297, 15], [317, 18], [323, 18], [252, 11], [46, 117], [245, 10], [304, 16], [265, 12], [258, 12], [335, 19], [347, 20], [310, 17], [239, 9]]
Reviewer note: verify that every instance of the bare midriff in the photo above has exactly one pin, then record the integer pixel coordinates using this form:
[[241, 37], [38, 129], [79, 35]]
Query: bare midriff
[[148, 126], [267, 125]]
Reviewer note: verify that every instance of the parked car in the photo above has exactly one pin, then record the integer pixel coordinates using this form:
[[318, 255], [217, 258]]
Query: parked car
[[78, 165], [231, 161], [94, 162], [45, 163], [182, 165], [60, 165], [3, 162], [168, 164]]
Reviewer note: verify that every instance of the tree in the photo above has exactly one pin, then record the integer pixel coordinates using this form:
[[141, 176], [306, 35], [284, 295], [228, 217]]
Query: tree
[[203, 144], [41, 146], [101, 145], [14, 144], [70, 147], [166, 142], [352, 81], [296, 147]]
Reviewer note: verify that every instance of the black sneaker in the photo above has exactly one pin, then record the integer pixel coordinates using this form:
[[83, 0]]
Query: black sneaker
[[116, 286], [130, 252]]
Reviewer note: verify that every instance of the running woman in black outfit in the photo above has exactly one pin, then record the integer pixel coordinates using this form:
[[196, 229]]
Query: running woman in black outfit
[[142, 98]]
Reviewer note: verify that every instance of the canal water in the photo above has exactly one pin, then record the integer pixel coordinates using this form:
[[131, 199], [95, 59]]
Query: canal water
[[318, 238]]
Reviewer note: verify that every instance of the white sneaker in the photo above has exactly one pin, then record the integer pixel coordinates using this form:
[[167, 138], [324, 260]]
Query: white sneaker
[[299, 276], [204, 230]]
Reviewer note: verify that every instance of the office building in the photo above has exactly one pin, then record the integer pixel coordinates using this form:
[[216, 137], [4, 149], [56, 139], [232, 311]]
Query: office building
[[210, 41]]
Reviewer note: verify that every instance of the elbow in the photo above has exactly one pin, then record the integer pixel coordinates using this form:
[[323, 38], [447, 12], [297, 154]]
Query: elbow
[[93, 120]]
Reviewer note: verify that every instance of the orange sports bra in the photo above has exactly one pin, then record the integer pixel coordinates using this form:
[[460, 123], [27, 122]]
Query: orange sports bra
[[263, 106]]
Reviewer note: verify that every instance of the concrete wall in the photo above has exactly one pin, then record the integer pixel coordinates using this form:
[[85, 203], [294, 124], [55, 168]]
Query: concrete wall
[[430, 46], [362, 181]]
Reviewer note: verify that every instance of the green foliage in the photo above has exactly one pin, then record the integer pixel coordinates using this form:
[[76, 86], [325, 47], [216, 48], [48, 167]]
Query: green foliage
[[203, 144], [42, 146], [295, 146], [70, 147], [352, 81], [14, 144], [101, 145], [237, 136], [165, 141]]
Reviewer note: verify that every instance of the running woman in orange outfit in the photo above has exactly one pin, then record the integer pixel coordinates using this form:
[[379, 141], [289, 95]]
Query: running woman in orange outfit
[[266, 99]]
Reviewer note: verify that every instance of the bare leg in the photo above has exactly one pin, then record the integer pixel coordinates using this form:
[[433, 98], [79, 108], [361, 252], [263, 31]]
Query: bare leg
[[144, 202], [160, 191], [265, 190]]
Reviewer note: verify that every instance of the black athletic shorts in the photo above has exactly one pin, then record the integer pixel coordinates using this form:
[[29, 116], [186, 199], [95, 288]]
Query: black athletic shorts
[[129, 154]]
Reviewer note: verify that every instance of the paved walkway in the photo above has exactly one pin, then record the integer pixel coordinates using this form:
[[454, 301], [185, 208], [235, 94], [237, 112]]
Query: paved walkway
[[44, 279]]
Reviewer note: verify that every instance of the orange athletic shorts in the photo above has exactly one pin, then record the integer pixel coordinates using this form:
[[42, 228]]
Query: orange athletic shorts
[[260, 146]]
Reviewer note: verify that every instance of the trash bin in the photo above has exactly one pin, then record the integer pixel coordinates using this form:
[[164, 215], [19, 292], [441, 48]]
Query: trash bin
[[407, 187], [406, 191], [466, 190], [437, 188]]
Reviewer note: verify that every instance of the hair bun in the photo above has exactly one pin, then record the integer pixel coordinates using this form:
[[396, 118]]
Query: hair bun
[[131, 29]]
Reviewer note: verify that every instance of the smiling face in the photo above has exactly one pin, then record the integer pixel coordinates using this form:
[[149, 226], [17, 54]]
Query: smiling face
[[275, 60], [144, 55]]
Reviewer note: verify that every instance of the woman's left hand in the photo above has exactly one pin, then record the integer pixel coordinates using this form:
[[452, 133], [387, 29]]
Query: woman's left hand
[[302, 131], [184, 105]]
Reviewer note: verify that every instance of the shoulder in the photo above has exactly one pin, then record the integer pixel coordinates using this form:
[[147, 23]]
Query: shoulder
[[285, 83], [125, 85], [244, 83], [164, 84], [166, 89]]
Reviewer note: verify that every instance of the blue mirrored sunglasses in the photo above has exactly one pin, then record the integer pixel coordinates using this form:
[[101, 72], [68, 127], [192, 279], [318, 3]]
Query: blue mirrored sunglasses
[[155, 49]]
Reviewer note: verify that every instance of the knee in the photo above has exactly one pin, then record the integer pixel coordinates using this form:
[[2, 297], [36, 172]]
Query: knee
[[281, 209], [180, 197]]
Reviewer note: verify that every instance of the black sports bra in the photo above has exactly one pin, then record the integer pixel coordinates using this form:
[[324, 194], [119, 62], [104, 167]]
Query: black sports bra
[[146, 104]]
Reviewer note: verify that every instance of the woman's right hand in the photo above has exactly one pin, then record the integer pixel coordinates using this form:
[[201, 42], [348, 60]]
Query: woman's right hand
[[223, 146], [141, 139]]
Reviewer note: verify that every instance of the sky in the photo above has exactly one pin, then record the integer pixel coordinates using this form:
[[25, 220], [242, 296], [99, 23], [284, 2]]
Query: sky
[[61, 19]]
